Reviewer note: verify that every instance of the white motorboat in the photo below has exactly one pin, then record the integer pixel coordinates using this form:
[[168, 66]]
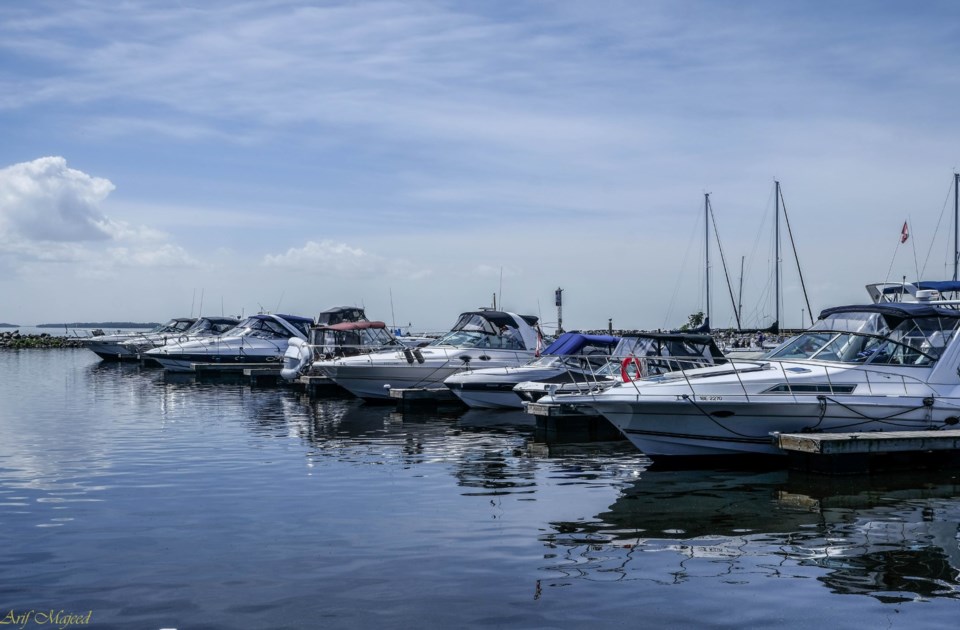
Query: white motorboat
[[114, 348], [636, 355], [876, 367], [482, 338], [572, 358], [207, 326], [333, 341], [258, 339]]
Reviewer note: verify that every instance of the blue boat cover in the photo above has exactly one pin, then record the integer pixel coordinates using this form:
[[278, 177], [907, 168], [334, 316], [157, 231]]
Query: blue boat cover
[[573, 342]]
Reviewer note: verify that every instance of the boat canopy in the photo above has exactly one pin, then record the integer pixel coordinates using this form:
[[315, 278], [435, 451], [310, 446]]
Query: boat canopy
[[902, 310], [339, 314], [668, 345], [354, 325], [578, 343], [492, 329], [902, 333]]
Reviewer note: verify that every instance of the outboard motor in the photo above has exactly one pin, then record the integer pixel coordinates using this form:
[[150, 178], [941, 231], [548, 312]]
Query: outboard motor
[[297, 359]]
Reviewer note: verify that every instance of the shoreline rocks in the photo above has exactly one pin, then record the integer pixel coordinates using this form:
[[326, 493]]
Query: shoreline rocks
[[15, 341]]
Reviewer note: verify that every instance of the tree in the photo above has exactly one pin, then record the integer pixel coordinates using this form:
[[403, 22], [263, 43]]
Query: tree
[[694, 321]]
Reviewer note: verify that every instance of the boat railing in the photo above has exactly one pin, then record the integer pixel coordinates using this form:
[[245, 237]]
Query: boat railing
[[878, 382]]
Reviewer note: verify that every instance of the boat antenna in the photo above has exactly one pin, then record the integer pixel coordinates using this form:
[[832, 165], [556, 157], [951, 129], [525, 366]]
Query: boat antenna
[[199, 312], [277, 310], [793, 244], [193, 301]]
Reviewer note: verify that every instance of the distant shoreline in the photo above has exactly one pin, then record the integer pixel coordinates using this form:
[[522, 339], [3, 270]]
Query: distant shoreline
[[101, 325], [9, 325]]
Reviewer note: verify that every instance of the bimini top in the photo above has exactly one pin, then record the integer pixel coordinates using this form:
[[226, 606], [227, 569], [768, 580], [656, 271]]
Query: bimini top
[[354, 325], [576, 343], [293, 319], [339, 314], [500, 318], [901, 310]]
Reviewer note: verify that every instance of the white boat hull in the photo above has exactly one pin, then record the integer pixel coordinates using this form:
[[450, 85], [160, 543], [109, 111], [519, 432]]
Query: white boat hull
[[724, 428]]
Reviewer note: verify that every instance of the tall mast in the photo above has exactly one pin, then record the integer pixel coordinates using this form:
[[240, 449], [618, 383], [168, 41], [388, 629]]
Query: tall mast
[[776, 254], [956, 223], [706, 244]]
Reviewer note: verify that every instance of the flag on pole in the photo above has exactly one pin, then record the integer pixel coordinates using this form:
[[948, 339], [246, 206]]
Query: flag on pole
[[904, 233]]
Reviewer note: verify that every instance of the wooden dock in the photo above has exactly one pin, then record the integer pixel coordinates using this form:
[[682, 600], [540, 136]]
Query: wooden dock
[[840, 453]]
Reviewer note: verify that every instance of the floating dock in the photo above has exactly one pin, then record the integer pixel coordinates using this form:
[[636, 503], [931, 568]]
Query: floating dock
[[846, 453]]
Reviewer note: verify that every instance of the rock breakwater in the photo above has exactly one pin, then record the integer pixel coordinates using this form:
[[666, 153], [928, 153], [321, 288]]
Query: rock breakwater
[[15, 341]]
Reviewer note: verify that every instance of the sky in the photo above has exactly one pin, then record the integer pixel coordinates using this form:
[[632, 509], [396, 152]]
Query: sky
[[419, 158]]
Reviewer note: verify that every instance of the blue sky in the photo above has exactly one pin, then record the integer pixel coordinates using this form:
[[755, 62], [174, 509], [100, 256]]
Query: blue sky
[[302, 155]]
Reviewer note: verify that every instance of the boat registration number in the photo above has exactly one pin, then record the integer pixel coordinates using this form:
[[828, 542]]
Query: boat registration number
[[702, 398]]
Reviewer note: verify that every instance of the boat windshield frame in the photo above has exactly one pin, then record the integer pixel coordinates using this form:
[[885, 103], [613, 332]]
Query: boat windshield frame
[[473, 330], [259, 327], [912, 342]]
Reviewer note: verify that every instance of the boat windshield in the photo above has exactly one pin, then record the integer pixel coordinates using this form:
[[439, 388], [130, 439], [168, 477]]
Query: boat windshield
[[331, 342], [475, 331], [261, 328], [203, 326], [176, 326], [867, 338]]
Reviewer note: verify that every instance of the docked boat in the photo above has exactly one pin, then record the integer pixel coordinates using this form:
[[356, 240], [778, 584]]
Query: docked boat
[[207, 326], [636, 355], [482, 338], [875, 367], [115, 348], [257, 340], [572, 358], [340, 332]]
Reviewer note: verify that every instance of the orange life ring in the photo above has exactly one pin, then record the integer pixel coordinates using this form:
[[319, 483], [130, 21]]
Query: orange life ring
[[625, 364]]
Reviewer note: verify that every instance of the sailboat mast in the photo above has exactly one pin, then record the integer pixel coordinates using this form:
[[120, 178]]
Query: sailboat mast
[[706, 245], [776, 254], [740, 293], [956, 224]]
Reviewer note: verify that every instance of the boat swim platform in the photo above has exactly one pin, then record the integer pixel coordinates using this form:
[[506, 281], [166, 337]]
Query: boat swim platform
[[872, 451]]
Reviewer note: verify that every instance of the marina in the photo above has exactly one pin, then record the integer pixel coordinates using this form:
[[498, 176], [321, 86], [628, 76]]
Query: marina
[[150, 499]]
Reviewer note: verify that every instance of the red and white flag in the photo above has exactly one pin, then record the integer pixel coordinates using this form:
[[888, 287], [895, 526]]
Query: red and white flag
[[904, 233]]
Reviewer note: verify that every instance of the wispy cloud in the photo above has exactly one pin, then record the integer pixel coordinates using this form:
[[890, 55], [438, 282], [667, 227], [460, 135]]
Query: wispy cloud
[[342, 260]]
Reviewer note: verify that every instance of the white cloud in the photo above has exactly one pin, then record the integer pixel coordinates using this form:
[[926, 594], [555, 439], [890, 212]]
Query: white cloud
[[50, 213], [44, 200], [328, 257]]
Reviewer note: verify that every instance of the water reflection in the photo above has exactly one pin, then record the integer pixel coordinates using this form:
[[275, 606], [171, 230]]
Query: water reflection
[[891, 538]]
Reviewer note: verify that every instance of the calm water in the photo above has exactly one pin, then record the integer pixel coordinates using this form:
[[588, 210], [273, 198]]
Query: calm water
[[148, 501]]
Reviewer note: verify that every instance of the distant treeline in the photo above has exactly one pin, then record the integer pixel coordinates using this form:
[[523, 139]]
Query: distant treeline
[[101, 325], [9, 325]]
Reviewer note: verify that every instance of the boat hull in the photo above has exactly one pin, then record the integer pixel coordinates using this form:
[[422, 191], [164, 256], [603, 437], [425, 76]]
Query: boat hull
[[704, 428]]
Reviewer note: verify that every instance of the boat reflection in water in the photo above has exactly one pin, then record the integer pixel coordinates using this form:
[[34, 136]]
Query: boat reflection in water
[[892, 538]]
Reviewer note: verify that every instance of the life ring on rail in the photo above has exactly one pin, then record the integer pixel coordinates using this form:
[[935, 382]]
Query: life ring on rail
[[625, 372]]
